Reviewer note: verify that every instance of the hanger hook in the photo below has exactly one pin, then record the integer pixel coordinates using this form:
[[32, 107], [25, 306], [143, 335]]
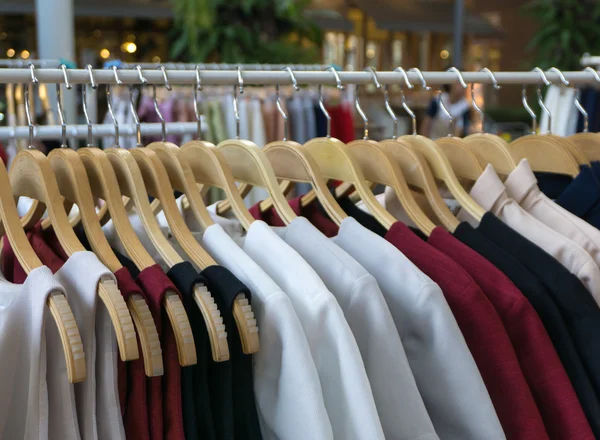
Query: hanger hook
[[359, 109], [34, 82], [581, 109], [404, 103], [339, 86], [474, 103], [459, 75], [529, 110], [138, 127], [541, 98], [196, 90], [163, 123], [236, 110], [93, 85], [421, 78], [578, 105], [61, 114], [110, 108], [560, 76], [286, 121]]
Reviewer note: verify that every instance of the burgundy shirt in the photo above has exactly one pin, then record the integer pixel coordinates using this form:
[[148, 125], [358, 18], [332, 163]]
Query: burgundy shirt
[[164, 410], [132, 376], [313, 212], [484, 333], [551, 388]]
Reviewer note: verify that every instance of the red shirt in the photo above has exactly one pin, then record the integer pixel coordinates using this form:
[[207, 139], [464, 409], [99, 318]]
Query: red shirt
[[164, 411], [484, 332], [555, 397], [132, 376], [312, 212]]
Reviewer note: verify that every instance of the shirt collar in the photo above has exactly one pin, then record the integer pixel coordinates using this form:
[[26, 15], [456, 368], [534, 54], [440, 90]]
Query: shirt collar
[[520, 181], [488, 189]]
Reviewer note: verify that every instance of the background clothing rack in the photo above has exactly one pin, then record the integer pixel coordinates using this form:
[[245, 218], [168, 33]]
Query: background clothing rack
[[315, 77]]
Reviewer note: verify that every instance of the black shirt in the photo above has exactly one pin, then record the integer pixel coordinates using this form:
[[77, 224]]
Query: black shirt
[[237, 402], [539, 297], [576, 305], [198, 421]]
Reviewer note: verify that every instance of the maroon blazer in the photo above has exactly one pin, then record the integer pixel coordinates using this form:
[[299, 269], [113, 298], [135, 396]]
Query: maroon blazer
[[484, 332], [548, 381]]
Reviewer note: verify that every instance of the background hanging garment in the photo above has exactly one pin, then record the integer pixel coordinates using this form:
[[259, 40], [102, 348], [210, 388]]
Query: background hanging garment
[[559, 101]]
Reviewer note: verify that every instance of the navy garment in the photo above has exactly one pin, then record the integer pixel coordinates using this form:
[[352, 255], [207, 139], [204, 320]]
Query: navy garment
[[320, 122], [590, 100], [576, 304], [582, 196]]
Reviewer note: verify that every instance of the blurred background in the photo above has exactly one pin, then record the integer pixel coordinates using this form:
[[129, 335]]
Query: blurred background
[[429, 34]]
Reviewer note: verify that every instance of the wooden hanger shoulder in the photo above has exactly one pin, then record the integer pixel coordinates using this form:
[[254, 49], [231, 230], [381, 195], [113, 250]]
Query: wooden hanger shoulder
[[249, 164], [491, 149], [588, 144], [182, 179], [418, 175], [57, 302], [442, 170], [464, 163], [337, 162], [209, 167], [379, 166], [571, 147], [293, 162], [544, 155], [73, 184], [103, 183], [157, 182], [132, 185]]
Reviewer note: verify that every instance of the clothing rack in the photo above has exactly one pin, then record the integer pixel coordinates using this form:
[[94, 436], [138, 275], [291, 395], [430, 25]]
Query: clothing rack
[[98, 130], [224, 66], [230, 77]]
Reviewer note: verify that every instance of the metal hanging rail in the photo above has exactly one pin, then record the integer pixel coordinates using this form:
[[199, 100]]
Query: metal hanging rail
[[98, 130], [230, 77], [223, 66]]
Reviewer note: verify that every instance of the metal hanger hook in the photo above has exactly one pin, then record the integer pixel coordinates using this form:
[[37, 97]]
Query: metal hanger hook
[[474, 103], [373, 76], [198, 88], [138, 127], [359, 109], [581, 109], [560, 76], [34, 82], [405, 106], [110, 108], [93, 85], [541, 98], [446, 112], [163, 123], [61, 114], [236, 110], [286, 121], [292, 77], [459, 75], [421, 78], [340, 86], [529, 110]]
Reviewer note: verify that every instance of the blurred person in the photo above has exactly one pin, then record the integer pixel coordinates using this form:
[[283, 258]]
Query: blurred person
[[436, 123]]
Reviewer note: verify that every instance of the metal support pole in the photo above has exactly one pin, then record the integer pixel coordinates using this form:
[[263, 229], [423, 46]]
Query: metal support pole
[[459, 14], [55, 22]]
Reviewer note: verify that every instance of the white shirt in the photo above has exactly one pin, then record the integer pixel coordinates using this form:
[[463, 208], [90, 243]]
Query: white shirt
[[490, 193], [400, 406], [346, 389], [445, 371], [97, 397], [286, 383], [24, 319]]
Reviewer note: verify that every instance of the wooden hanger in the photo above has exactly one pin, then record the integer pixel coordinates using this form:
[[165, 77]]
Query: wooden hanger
[[489, 148], [293, 163], [543, 152], [441, 167], [32, 176], [378, 166], [464, 163], [159, 186], [250, 165], [72, 183], [57, 302]]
